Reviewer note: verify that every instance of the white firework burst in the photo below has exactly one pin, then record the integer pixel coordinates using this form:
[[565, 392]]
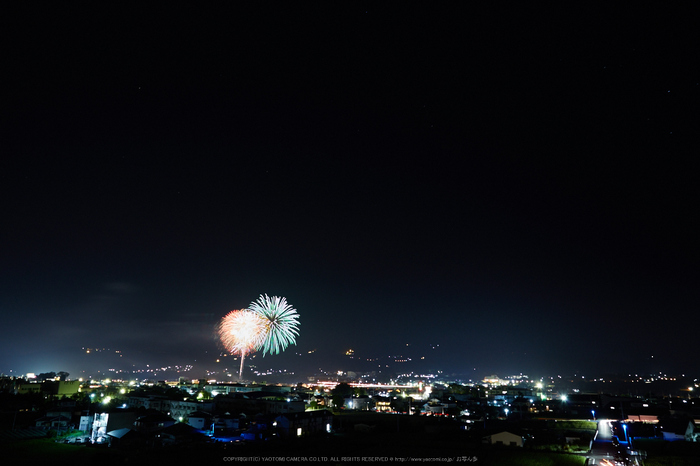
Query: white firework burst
[[281, 322]]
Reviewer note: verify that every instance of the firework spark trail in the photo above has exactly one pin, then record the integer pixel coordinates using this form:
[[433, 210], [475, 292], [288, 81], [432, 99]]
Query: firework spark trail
[[281, 320], [242, 332]]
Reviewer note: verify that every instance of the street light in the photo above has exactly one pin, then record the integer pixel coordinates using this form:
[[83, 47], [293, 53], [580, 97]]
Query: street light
[[593, 413]]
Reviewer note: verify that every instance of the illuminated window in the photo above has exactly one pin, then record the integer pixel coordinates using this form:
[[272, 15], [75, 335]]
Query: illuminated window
[[298, 431]]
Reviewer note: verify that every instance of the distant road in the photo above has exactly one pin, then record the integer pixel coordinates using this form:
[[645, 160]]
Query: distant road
[[603, 447]]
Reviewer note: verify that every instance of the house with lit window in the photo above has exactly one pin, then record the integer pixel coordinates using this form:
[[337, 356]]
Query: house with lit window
[[302, 424], [382, 404], [359, 402]]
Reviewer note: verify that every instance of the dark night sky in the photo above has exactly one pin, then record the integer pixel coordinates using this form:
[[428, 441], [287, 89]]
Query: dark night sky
[[517, 186]]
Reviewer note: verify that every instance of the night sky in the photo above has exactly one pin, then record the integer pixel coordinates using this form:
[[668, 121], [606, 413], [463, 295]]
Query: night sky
[[517, 186]]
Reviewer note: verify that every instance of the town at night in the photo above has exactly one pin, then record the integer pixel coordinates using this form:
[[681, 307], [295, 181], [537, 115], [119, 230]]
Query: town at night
[[349, 233]]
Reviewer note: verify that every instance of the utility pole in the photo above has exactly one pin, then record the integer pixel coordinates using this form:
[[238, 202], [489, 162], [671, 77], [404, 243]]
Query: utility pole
[[622, 411]]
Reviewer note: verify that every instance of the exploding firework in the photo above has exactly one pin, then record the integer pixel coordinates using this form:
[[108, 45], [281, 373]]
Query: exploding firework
[[281, 322], [242, 332]]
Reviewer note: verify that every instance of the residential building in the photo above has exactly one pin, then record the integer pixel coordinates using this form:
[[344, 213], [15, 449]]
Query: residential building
[[505, 438], [200, 420], [678, 429], [306, 423], [153, 421], [106, 422]]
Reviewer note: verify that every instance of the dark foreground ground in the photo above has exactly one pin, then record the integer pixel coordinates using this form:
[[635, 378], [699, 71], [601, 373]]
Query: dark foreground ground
[[333, 450], [377, 438]]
